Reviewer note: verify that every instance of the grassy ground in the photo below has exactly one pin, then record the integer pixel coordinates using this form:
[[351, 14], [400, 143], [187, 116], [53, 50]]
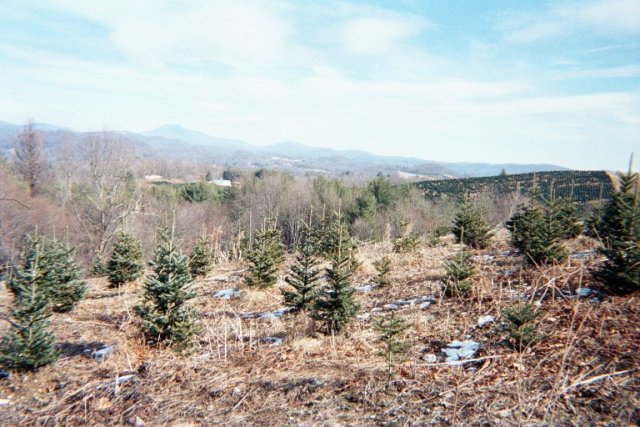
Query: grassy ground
[[583, 372]]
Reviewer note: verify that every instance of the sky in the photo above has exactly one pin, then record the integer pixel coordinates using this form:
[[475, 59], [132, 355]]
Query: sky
[[447, 80]]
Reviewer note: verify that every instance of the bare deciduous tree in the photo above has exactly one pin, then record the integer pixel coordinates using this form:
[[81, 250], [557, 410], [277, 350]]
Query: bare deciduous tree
[[29, 157], [106, 194]]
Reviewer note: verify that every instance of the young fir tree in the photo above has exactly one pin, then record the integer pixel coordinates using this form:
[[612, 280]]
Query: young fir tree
[[303, 277], [265, 257], [538, 230], [459, 269], [383, 267], [164, 313], [126, 263], [619, 230], [520, 325], [29, 344], [392, 328], [406, 241], [470, 227], [335, 306], [201, 259], [60, 274]]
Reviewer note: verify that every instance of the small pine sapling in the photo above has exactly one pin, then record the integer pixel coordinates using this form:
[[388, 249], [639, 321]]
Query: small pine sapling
[[383, 267], [164, 312], [335, 306], [126, 263], [406, 242], [470, 227], [460, 270], [520, 325], [392, 329], [303, 278], [29, 344], [201, 259], [265, 257]]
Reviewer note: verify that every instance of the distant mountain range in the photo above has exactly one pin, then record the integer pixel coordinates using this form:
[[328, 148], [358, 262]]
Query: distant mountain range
[[177, 142]]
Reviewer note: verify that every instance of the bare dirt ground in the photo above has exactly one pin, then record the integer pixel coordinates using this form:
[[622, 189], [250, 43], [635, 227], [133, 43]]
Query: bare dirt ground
[[584, 371]]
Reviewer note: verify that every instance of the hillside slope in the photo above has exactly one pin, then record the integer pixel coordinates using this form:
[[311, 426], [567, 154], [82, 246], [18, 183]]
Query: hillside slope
[[584, 186]]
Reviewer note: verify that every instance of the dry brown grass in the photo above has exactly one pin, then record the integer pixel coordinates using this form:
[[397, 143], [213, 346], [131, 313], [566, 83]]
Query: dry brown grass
[[584, 373]]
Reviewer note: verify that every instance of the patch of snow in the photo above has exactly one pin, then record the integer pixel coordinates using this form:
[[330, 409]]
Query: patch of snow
[[227, 293], [458, 351], [485, 320]]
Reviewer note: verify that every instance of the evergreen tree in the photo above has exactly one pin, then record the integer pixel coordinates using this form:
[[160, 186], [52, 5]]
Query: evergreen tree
[[470, 227], [383, 267], [60, 274], [619, 230], [459, 269], [200, 260], [391, 329], [538, 230], [265, 257], [126, 263], [335, 307], [520, 325], [29, 344], [303, 277], [406, 240], [164, 313]]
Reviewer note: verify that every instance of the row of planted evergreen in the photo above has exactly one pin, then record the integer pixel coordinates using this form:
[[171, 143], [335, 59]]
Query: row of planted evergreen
[[47, 279]]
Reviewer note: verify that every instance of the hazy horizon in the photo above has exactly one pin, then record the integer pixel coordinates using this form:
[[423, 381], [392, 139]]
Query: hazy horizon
[[555, 82]]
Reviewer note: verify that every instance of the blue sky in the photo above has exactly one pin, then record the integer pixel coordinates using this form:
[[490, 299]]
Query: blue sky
[[448, 80]]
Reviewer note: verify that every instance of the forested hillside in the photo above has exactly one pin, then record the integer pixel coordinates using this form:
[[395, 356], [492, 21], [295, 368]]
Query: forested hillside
[[583, 186]]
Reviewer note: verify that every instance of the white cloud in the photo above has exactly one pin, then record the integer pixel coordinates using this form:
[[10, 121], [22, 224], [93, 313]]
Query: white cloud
[[380, 35], [603, 17], [239, 34]]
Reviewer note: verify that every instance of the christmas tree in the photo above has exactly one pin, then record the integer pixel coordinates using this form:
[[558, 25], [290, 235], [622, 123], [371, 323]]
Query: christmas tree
[[164, 313], [265, 257], [470, 227], [459, 269], [335, 307], [383, 267], [392, 328], [126, 263], [406, 240], [303, 277], [200, 259], [619, 230], [60, 274], [539, 230], [29, 344]]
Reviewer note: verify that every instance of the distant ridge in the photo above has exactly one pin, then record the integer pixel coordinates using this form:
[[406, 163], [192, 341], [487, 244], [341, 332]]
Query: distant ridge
[[174, 141]]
